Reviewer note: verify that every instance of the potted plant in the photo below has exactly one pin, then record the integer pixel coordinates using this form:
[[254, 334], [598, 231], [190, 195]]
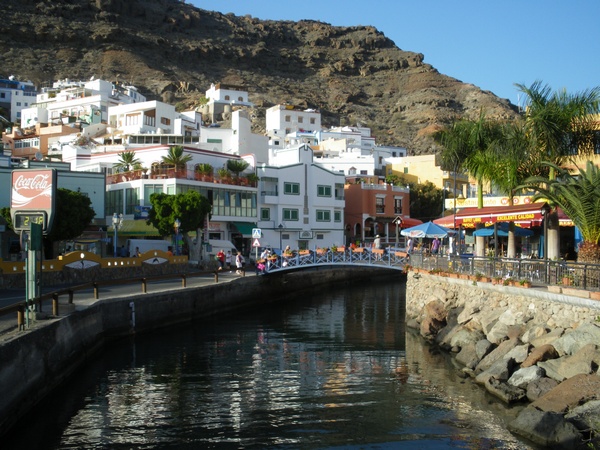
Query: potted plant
[[568, 280], [497, 279], [223, 173], [204, 171], [525, 283]]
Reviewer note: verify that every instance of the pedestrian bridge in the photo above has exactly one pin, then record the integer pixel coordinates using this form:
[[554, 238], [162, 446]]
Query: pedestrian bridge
[[386, 259]]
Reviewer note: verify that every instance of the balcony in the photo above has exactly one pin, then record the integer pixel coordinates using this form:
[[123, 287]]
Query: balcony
[[179, 174]]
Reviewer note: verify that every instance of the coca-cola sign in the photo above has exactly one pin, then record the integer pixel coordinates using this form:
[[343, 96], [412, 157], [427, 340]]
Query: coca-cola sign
[[33, 190]]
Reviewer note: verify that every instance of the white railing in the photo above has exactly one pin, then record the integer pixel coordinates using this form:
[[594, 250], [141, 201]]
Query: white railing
[[360, 256]]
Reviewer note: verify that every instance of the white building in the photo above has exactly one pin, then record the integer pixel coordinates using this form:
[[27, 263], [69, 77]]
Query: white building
[[283, 120], [301, 204], [15, 96], [70, 101]]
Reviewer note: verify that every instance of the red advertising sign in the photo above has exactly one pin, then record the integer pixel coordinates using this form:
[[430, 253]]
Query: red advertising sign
[[32, 198]]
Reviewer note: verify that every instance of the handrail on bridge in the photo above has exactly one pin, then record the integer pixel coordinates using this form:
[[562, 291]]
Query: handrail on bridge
[[341, 255]]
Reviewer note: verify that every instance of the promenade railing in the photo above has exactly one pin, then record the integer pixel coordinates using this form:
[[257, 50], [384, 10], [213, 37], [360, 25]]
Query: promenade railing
[[537, 271]]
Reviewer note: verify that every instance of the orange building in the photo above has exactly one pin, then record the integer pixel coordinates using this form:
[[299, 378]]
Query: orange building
[[373, 209]]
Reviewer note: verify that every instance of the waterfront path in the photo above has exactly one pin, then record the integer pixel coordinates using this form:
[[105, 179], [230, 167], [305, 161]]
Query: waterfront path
[[85, 297]]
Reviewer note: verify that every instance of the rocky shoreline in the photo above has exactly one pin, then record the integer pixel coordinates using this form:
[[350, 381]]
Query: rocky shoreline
[[540, 350]]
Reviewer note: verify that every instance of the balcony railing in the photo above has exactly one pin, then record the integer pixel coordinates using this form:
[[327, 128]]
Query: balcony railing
[[182, 174]]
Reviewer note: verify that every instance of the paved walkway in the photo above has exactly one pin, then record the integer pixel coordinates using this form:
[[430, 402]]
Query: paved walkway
[[84, 298]]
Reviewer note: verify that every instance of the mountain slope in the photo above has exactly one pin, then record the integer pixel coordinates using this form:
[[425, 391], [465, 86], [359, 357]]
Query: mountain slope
[[172, 51]]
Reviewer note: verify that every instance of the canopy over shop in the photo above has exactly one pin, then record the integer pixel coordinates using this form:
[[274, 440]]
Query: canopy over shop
[[524, 216]]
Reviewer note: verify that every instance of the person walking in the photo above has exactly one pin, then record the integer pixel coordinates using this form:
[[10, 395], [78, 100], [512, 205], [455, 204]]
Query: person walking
[[221, 259], [239, 263], [228, 260]]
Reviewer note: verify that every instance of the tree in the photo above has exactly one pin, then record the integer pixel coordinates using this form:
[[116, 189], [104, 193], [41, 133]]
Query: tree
[[237, 166], [73, 214], [191, 208], [560, 125], [425, 200], [127, 161], [466, 144], [512, 161], [578, 195], [176, 158]]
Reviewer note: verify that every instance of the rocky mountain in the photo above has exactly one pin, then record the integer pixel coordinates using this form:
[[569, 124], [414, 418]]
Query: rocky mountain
[[173, 51]]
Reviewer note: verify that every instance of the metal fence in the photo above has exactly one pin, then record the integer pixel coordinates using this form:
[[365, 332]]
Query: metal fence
[[537, 271]]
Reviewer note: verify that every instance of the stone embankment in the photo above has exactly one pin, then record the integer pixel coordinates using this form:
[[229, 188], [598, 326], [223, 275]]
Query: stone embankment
[[522, 345]]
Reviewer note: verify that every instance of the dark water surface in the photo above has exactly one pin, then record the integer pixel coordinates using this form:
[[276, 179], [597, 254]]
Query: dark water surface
[[328, 370]]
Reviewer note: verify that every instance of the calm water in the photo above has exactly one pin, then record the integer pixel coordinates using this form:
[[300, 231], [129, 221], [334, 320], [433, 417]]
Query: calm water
[[330, 370]]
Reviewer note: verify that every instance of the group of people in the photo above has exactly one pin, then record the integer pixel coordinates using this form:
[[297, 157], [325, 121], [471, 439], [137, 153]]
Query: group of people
[[226, 261]]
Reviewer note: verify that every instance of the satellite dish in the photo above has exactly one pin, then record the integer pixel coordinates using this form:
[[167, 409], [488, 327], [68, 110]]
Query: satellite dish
[[38, 156]]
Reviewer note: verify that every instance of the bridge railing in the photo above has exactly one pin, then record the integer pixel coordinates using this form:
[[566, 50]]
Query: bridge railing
[[362, 256]]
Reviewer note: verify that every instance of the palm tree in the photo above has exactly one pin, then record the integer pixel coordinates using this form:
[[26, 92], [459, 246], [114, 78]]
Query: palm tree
[[560, 126], [511, 161], [176, 158], [127, 161], [466, 146], [237, 166], [578, 195]]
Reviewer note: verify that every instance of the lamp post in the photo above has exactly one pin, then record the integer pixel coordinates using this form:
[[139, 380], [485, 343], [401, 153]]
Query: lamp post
[[117, 221], [177, 224], [398, 222], [280, 243]]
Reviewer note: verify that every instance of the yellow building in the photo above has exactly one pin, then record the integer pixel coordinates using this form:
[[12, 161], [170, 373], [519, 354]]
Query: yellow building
[[422, 168]]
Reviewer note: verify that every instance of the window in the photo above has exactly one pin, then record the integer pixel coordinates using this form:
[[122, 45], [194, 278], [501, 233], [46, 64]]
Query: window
[[323, 191], [131, 200], [265, 214], [165, 121], [364, 172], [300, 119], [240, 99], [312, 120], [288, 118], [323, 215], [291, 188], [337, 216], [227, 97], [290, 214], [379, 205], [397, 206]]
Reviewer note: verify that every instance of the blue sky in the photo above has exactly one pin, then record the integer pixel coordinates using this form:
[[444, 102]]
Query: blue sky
[[491, 44]]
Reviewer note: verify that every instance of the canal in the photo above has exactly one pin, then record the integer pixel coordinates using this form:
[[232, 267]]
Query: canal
[[333, 369]]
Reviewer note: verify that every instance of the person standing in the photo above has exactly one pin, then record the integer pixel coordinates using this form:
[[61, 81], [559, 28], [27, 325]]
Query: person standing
[[435, 246], [377, 243], [411, 245]]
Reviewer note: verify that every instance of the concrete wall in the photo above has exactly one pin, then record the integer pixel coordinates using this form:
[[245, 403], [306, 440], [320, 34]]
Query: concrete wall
[[540, 305], [35, 362]]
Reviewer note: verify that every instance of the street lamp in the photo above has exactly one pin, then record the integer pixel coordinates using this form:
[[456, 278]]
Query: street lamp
[[117, 221], [177, 224], [280, 231], [398, 222]]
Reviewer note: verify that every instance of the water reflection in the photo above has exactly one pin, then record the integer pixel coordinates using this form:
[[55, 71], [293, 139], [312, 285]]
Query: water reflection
[[332, 370]]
